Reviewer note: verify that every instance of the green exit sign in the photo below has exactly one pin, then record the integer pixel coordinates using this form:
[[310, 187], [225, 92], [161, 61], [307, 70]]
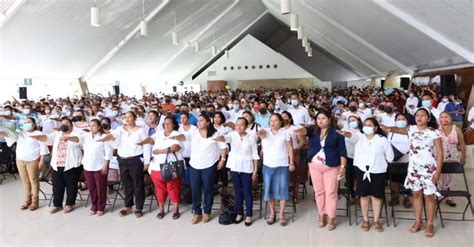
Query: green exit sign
[[28, 81]]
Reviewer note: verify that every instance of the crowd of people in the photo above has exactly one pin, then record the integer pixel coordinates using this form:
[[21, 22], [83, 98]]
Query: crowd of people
[[264, 135]]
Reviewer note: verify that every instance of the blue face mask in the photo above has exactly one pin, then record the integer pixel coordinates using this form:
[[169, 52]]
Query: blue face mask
[[295, 102], [401, 123], [426, 103], [27, 126], [368, 130], [236, 107], [353, 125]]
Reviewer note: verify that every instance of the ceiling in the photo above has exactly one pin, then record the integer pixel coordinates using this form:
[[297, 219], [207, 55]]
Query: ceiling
[[353, 38]]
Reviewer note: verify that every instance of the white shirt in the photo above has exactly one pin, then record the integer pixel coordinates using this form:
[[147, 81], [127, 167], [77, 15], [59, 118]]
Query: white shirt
[[27, 148], [95, 153], [242, 152], [233, 115], [275, 149], [187, 144], [205, 152], [162, 142], [367, 113], [73, 153], [293, 135], [442, 105], [350, 146], [223, 130], [435, 113], [127, 143], [402, 143], [471, 116], [387, 120], [300, 114], [48, 124], [345, 117], [372, 153], [412, 101]]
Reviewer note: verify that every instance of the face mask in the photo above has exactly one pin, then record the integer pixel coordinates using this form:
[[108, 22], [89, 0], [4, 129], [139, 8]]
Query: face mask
[[262, 110], [64, 128], [353, 125], [368, 130], [401, 123], [411, 95], [27, 126], [176, 111], [389, 110], [105, 126], [114, 113], [47, 111], [361, 105], [294, 102], [236, 107], [445, 100], [26, 111], [382, 108], [78, 118], [426, 103], [353, 108], [7, 113]]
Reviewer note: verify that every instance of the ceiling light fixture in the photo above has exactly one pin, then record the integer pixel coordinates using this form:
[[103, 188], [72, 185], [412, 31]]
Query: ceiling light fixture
[[143, 24], [175, 33], [95, 15], [285, 6], [294, 22]]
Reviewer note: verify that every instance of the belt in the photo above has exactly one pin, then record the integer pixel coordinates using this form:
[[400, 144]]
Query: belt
[[130, 158]]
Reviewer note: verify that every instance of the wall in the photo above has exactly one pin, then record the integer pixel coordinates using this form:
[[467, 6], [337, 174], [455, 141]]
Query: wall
[[276, 83], [260, 61], [41, 87]]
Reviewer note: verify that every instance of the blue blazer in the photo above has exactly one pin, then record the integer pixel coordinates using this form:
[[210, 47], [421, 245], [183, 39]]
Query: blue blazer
[[334, 146]]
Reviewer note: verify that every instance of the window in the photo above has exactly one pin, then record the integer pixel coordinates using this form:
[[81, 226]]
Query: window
[[275, 66], [225, 68]]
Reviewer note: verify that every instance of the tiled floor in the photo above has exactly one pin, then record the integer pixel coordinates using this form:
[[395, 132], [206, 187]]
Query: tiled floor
[[24, 228]]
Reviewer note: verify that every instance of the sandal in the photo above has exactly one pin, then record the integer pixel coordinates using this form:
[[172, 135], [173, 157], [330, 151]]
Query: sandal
[[365, 226], [176, 216], [416, 227], [160, 215], [125, 212], [378, 226], [138, 214], [429, 231], [331, 226], [407, 203], [322, 221], [238, 221], [25, 206], [271, 220], [283, 221]]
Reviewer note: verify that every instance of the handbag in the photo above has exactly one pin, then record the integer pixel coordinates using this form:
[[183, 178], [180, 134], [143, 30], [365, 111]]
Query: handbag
[[172, 169], [396, 153], [228, 214]]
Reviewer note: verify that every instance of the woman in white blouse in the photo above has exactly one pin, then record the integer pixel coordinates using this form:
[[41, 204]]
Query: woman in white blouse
[[372, 151], [133, 161], [185, 128], [355, 126], [222, 129], [277, 165], [243, 165], [97, 156], [166, 148], [205, 152], [29, 159], [66, 164]]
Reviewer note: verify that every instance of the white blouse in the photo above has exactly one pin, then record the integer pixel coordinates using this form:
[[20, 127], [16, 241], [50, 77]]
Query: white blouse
[[127, 143], [95, 153], [275, 149], [293, 135], [74, 150], [242, 153], [186, 144], [27, 148], [402, 143], [205, 152], [162, 142], [372, 153]]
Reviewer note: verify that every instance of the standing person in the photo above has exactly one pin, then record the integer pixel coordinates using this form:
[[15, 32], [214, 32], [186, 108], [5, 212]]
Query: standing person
[[236, 111], [277, 164], [262, 117], [327, 162], [454, 150], [153, 123], [300, 113], [243, 164], [354, 126], [30, 155], [96, 160], [204, 163], [66, 164], [133, 160], [253, 127], [166, 148], [185, 128], [372, 151], [222, 129], [424, 168], [456, 111]]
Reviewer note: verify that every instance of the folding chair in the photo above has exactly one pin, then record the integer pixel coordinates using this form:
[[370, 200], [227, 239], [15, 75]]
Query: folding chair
[[454, 168], [393, 170], [345, 192], [384, 206], [292, 205]]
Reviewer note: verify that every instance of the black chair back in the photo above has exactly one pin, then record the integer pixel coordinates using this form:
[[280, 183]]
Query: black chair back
[[397, 168], [452, 167]]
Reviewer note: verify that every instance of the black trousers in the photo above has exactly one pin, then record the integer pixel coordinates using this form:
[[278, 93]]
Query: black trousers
[[131, 173], [350, 176], [65, 181]]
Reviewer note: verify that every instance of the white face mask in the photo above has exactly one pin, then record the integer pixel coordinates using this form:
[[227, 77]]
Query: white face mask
[[26, 111], [47, 111]]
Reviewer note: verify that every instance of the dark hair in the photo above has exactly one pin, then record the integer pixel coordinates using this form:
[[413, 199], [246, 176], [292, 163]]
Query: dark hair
[[251, 115], [278, 115], [328, 115], [185, 113], [210, 127], [289, 116], [173, 121], [106, 119], [134, 115], [154, 112], [376, 125], [359, 121], [221, 115], [67, 119], [432, 122], [101, 130], [245, 121]]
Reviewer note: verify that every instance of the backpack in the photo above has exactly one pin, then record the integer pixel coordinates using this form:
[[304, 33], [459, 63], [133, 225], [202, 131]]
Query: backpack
[[228, 213]]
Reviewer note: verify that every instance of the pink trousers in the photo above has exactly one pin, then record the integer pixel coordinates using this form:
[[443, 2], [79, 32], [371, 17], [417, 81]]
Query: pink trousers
[[325, 186]]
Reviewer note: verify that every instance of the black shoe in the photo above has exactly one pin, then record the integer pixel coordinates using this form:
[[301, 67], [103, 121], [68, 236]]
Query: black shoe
[[248, 223], [238, 221]]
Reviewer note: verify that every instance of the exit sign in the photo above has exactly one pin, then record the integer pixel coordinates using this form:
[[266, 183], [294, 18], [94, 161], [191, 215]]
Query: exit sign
[[28, 81]]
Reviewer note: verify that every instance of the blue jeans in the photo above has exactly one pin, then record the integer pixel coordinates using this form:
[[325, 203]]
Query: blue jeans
[[243, 188], [276, 182], [202, 178]]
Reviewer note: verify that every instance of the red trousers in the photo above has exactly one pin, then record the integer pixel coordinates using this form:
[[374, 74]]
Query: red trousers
[[97, 184], [164, 188]]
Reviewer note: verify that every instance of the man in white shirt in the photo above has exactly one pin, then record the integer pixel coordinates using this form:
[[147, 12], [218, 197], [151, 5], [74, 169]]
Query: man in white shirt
[[367, 111], [427, 102], [443, 103], [353, 111], [299, 113], [388, 117], [412, 103], [236, 111]]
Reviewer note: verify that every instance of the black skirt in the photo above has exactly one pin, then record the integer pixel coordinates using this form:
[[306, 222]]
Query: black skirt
[[376, 186]]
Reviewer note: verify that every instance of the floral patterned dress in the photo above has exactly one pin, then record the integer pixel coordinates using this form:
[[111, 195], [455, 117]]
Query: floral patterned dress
[[422, 164], [451, 154]]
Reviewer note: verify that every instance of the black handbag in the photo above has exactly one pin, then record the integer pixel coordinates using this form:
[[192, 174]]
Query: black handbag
[[172, 169], [396, 153], [228, 213]]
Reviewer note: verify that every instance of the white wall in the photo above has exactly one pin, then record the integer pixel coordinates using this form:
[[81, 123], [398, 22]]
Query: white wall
[[41, 87], [251, 52], [359, 84]]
